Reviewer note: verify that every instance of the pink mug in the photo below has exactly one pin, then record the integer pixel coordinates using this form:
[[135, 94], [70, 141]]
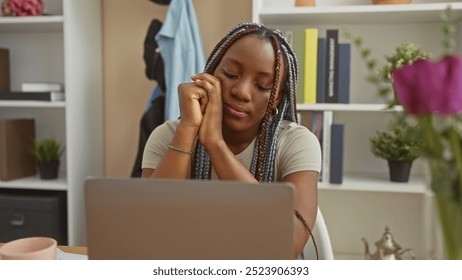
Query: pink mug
[[29, 248]]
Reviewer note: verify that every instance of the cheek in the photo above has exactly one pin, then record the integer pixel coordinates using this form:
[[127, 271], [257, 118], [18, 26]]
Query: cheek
[[262, 103]]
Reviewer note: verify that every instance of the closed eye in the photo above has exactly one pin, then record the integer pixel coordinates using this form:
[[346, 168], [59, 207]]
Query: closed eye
[[228, 75], [262, 88]]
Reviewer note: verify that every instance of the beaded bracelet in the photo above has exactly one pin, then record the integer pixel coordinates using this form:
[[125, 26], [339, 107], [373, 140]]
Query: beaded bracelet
[[179, 149]]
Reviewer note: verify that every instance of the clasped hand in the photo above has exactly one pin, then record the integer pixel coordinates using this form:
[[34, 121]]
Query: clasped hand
[[201, 107]]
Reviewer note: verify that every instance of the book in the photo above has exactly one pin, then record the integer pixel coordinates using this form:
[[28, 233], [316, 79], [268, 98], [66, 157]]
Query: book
[[311, 58], [317, 118], [306, 119], [326, 145], [336, 153], [299, 49], [331, 66], [344, 73], [32, 95], [321, 71], [4, 69], [42, 87]]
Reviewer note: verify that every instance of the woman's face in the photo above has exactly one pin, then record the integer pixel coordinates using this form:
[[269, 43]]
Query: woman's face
[[246, 73]]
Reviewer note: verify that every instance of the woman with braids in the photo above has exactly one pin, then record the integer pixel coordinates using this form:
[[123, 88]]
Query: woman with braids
[[238, 122]]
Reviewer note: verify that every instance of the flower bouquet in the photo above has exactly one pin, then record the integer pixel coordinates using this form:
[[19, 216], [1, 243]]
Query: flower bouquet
[[431, 93]]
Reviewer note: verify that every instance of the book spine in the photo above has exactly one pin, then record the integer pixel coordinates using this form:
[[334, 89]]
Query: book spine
[[331, 66], [311, 58], [299, 49], [41, 87], [321, 71], [337, 153], [317, 118], [306, 119], [33, 96], [326, 148], [344, 70]]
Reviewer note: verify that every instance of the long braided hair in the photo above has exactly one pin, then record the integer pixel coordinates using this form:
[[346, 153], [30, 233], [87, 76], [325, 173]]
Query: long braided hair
[[262, 166]]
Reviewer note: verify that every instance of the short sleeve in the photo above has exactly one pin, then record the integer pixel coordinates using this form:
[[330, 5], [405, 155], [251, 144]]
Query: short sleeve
[[298, 150], [157, 144]]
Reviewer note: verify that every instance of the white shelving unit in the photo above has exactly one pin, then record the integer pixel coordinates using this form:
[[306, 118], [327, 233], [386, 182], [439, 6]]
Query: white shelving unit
[[367, 201], [64, 46]]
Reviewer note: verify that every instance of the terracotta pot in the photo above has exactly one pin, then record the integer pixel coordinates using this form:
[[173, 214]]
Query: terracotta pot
[[391, 1], [303, 3]]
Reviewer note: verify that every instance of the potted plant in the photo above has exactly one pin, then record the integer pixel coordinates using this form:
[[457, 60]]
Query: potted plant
[[47, 153], [380, 76], [400, 145]]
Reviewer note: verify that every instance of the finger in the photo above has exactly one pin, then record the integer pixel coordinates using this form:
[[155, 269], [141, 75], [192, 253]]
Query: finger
[[203, 104], [212, 89]]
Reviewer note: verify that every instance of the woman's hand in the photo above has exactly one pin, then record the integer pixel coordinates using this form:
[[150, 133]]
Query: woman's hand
[[211, 127], [193, 100]]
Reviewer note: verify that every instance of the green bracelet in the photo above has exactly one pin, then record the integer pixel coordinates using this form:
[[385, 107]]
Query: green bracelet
[[179, 150]]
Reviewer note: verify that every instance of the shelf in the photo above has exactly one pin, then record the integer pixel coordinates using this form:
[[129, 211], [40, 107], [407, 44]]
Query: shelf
[[32, 104], [377, 183], [35, 183], [31, 23], [410, 13], [353, 107]]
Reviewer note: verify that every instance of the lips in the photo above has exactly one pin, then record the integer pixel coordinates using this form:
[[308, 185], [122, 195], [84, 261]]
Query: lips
[[236, 112]]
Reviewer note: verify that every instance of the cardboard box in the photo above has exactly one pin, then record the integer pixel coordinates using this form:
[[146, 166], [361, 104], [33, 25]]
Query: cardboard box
[[16, 139], [4, 70]]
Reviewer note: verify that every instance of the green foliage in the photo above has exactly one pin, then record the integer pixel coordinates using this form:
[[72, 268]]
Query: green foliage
[[399, 142], [402, 55], [47, 150], [448, 29], [380, 76]]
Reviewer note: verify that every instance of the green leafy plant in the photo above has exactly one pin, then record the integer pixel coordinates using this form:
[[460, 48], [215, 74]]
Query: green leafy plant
[[399, 142], [47, 150], [380, 76]]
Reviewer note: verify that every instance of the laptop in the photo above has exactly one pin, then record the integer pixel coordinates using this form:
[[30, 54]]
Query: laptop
[[163, 219]]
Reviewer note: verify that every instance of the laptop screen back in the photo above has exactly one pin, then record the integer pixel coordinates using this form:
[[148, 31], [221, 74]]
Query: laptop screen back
[[188, 219]]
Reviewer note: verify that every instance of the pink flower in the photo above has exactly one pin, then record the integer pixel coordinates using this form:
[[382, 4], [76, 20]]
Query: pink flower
[[426, 87], [22, 7]]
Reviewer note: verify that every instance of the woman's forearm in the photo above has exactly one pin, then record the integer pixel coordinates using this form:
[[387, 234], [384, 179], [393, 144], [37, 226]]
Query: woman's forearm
[[176, 162]]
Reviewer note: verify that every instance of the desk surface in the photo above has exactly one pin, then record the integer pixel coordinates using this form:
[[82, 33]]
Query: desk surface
[[74, 249], [71, 249]]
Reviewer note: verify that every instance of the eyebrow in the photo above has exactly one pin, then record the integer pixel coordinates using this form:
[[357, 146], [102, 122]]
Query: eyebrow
[[260, 73]]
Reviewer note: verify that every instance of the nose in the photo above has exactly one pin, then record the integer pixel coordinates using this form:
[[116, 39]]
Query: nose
[[242, 90]]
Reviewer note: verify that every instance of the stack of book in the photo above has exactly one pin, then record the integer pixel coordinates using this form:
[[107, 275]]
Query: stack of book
[[36, 92], [324, 67]]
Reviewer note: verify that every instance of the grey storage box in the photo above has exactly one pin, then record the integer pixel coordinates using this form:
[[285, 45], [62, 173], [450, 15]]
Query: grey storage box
[[25, 213]]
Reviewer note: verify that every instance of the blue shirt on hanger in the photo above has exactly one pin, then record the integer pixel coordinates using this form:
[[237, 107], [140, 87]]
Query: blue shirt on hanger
[[181, 49]]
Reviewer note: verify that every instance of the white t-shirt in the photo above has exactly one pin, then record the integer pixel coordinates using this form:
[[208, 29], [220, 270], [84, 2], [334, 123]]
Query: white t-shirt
[[298, 149]]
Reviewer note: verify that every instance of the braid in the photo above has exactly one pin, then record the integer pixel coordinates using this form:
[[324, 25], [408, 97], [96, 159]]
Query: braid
[[266, 119], [263, 160]]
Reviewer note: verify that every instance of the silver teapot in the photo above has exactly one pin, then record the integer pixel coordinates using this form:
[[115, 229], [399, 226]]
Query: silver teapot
[[387, 248]]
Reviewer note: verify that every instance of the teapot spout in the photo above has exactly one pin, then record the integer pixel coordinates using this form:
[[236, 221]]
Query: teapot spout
[[367, 254]]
